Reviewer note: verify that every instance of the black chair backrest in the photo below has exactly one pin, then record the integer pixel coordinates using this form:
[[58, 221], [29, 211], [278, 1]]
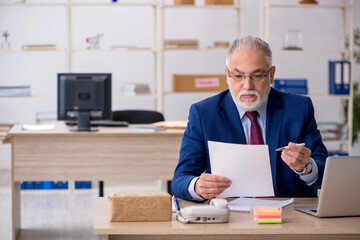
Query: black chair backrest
[[138, 116]]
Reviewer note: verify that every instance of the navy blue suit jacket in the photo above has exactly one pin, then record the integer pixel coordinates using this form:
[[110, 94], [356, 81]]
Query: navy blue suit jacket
[[290, 118]]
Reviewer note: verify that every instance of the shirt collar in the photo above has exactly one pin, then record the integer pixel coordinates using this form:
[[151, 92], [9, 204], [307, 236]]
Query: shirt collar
[[261, 111]]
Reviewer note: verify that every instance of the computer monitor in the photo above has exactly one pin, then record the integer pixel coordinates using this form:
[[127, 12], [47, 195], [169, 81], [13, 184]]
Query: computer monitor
[[84, 97]]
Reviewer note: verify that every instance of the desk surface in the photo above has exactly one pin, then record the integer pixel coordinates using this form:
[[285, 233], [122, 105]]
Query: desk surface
[[106, 131], [240, 225], [112, 153]]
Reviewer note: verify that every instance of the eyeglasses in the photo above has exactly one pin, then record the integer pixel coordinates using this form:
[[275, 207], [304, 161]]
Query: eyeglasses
[[241, 77]]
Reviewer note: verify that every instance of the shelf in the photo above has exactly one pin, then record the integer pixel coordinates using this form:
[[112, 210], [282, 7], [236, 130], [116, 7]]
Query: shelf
[[236, 7], [315, 6], [32, 4], [343, 142], [114, 96], [328, 96], [115, 50], [126, 96], [47, 96], [192, 92], [308, 51], [196, 49], [116, 4], [31, 51]]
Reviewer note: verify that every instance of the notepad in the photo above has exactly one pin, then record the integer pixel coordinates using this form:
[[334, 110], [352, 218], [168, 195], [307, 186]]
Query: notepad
[[266, 214], [245, 204]]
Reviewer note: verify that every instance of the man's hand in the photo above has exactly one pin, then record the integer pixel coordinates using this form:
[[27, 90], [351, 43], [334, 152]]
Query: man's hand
[[209, 185], [296, 157]]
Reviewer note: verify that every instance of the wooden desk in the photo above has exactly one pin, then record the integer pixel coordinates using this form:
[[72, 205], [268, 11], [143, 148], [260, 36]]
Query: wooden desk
[[296, 225], [109, 154]]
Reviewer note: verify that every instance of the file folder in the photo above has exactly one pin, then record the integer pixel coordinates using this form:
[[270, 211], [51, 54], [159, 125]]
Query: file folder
[[339, 77], [291, 85]]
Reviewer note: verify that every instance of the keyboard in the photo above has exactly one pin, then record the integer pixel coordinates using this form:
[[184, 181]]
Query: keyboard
[[102, 123]]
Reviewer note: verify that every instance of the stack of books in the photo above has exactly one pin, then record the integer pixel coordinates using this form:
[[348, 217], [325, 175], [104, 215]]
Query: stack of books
[[4, 129], [14, 91], [184, 2], [135, 88], [331, 130], [183, 44], [219, 2], [220, 44]]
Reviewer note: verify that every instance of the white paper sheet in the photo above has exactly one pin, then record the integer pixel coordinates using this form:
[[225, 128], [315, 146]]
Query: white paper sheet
[[37, 126], [247, 166]]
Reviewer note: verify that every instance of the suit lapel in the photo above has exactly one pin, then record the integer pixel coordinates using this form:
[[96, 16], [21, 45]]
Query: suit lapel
[[231, 117], [274, 118]]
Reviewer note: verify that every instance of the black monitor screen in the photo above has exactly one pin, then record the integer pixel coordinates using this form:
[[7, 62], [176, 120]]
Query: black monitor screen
[[84, 97]]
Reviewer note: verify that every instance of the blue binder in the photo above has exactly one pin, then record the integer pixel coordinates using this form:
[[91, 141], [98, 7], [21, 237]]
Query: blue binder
[[291, 85], [339, 77]]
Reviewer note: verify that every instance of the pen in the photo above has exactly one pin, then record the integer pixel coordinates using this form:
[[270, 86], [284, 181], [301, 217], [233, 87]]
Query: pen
[[286, 147], [176, 203]]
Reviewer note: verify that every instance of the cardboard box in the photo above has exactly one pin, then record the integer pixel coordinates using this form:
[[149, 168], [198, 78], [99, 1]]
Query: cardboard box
[[199, 83], [219, 2], [184, 2], [132, 207], [183, 44], [219, 44]]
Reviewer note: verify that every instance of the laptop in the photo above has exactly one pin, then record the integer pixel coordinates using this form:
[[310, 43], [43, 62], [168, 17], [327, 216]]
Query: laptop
[[340, 191]]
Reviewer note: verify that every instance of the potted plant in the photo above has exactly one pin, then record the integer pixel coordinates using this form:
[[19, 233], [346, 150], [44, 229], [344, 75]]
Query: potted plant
[[356, 91], [356, 113]]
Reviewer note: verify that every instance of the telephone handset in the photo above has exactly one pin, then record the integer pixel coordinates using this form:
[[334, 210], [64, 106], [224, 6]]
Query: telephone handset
[[216, 212]]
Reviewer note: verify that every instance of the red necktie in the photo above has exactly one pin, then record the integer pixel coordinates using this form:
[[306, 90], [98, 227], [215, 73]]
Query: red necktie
[[255, 132]]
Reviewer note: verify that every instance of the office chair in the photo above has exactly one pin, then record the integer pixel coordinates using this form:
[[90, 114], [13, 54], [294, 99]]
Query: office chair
[[138, 116], [135, 117]]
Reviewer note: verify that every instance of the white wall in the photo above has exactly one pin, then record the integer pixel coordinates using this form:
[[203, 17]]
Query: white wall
[[321, 29]]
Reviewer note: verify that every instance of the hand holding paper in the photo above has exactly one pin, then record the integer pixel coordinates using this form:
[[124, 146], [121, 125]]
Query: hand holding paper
[[247, 166], [209, 185]]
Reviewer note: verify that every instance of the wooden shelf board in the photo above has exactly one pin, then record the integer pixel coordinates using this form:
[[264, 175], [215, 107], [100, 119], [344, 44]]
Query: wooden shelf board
[[236, 7], [314, 6]]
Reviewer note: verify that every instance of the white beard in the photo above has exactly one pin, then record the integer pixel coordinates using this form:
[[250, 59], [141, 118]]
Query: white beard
[[250, 107]]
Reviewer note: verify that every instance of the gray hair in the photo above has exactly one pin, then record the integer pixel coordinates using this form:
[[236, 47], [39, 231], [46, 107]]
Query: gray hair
[[250, 43]]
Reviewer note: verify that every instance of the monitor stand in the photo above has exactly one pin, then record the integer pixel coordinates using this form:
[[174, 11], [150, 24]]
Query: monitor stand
[[83, 123]]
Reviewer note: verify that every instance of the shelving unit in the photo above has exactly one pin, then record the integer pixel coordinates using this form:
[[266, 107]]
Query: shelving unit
[[165, 72], [71, 50], [119, 53], [347, 20]]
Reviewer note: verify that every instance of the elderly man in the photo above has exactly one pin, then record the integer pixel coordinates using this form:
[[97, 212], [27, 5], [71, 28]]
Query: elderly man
[[251, 112]]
